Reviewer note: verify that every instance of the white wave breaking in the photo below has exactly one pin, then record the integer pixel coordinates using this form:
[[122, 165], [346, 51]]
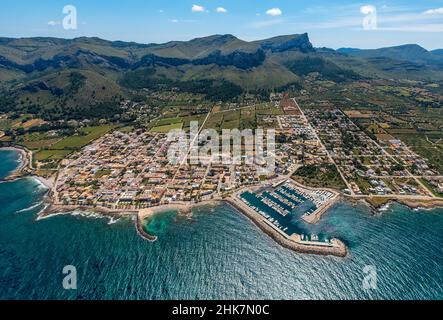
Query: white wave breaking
[[34, 206], [83, 214], [385, 208], [41, 185]]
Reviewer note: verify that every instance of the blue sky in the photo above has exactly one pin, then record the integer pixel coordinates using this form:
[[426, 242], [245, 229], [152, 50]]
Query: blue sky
[[330, 23]]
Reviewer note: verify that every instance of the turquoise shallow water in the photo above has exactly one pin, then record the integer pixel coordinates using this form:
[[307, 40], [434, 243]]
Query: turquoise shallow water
[[218, 254], [9, 160]]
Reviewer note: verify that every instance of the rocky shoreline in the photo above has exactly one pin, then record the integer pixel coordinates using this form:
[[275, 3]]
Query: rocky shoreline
[[139, 215], [410, 203], [54, 209], [431, 204]]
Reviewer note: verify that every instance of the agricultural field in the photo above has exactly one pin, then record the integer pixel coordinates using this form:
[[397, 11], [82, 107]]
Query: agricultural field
[[167, 127], [168, 121], [23, 122], [52, 150], [420, 129], [269, 109], [179, 117], [38, 140], [45, 155], [85, 137], [243, 117], [198, 118], [233, 116], [26, 124], [231, 119]]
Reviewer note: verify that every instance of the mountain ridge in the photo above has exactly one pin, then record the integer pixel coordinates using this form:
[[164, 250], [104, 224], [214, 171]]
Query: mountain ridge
[[408, 52], [44, 71]]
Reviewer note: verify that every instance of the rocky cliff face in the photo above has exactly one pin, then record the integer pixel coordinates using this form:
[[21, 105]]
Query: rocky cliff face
[[287, 43]]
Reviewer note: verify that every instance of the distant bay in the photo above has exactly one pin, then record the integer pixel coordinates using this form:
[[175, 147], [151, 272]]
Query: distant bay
[[216, 254]]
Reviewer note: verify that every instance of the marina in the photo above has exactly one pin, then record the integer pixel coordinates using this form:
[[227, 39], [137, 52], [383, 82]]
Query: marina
[[286, 206]]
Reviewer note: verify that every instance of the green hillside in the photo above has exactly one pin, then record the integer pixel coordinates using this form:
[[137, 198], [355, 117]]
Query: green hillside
[[89, 77]]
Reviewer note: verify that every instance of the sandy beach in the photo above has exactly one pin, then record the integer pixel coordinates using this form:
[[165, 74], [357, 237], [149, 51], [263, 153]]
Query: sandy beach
[[47, 182], [182, 207]]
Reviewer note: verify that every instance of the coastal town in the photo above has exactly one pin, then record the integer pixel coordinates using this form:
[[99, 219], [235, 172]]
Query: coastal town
[[129, 171], [368, 167]]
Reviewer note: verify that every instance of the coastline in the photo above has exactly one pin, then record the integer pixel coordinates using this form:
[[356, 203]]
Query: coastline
[[336, 248], [24, 163], [138, 215], [48, 183], [422, 204], [426, 204], [25, 169], [182, 208], [54, 209], [294, 243]]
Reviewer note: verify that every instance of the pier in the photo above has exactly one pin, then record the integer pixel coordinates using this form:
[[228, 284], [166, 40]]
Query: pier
[[141, 231]]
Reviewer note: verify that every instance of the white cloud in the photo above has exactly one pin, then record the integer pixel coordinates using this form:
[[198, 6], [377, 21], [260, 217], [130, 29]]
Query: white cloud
[[221, 10], [274, 12], [53, 23], [434, 11], [174, 21], [368, 9], [161, 11], [197, 8]]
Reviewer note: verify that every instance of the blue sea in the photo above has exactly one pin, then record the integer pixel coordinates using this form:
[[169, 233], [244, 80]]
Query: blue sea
[[216, 254]]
